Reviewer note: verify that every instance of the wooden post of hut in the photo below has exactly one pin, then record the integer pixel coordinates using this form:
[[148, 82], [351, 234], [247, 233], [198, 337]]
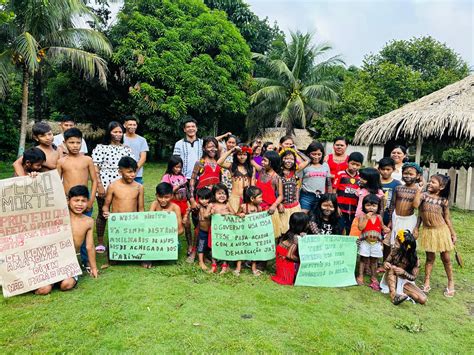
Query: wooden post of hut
[[419, 142]]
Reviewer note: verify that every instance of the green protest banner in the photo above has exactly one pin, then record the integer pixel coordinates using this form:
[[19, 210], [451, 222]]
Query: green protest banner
[[327, 261], [143, 236], [249, 238]]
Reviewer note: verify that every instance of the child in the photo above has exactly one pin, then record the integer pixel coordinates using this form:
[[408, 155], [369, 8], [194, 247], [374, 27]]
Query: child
[[437, 235], [402, 267], [82, 228], [316, 178], [324, 218], [287, 259], [164, 202], [220, 205], [227, 142], [204, 223], [174, 176], [66, 122], [32, 161], [371, 225], [241, 170], [404, 201], [252, 201], [346, 185], [125, 194], [272, 188], [44, 137]]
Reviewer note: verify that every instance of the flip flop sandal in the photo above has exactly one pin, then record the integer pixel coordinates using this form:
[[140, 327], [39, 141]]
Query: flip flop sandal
[[213, 268], [236, 272], [257, 272], [100, 249], [426, 289], [449, 293], [399, 299], [375, 286]]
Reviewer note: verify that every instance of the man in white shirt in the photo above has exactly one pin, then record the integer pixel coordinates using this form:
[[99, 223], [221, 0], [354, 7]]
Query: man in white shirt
[[138, 144], [190, 147], [66, 123]]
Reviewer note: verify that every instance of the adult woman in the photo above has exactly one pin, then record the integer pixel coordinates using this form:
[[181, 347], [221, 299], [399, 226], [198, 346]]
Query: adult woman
[[230, 142], [337, 160], [106, 157], [399, 156], [286, 142]]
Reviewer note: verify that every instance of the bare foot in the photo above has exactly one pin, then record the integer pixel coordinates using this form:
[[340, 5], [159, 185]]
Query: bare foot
[[203, 266], [147, 264], [237, 272], [360, 281]]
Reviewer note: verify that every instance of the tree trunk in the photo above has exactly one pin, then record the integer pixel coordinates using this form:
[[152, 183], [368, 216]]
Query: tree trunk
[[38, 94], [24, 111]]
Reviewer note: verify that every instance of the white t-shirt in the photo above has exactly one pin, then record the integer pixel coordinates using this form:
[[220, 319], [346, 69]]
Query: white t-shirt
[[190, 153], [59, 139]]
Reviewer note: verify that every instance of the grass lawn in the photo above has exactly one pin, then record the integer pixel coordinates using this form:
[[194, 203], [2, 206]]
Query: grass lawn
[[174, 307]]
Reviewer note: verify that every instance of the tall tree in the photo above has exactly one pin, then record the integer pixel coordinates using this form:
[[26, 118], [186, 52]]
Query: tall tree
[[44, 31], [300, 85]]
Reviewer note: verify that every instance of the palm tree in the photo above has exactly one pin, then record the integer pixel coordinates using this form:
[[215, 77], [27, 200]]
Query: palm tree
[[44, 31], [292, 97]]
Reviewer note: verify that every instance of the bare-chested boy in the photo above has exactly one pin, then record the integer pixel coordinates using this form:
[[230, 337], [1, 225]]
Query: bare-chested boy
[[82, 228], [32, 161], [43, 135], [405, 199], [124, 194]]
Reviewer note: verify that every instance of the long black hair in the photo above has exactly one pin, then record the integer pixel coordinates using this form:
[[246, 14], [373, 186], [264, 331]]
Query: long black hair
[[108, 137], [373, 200], [445, 183], [298, 224], [372, 176], [274, 160], [284, 154], [313, 147], [205, 142], [172, 162], [218, 187], [408, 250], [317, 215], [248, 163]]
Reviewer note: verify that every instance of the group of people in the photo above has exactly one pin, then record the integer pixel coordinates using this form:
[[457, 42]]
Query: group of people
[[305, 192]]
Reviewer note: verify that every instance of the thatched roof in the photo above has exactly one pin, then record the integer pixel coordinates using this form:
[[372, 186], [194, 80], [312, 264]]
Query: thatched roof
[[301, 137], [448, 111], [88, 131]]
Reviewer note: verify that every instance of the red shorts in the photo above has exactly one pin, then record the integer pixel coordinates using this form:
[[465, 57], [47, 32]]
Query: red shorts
[[183, 206]]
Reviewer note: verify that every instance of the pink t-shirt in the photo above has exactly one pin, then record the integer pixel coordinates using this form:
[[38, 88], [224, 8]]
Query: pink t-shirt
[[176, 180], [364, 192]]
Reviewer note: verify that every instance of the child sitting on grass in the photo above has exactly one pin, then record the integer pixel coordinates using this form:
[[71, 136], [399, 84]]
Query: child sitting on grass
[[325, 219]]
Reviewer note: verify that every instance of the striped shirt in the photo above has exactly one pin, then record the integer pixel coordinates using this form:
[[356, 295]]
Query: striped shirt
[[347, 187], [190, 153]]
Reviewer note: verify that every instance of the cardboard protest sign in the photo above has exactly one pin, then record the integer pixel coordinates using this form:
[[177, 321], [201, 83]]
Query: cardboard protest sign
[[143, 236], [327, 261], [249, 238], [36, 246]]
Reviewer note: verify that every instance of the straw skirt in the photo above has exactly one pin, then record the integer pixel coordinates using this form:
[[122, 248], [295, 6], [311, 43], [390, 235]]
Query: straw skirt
[[436, 240], [285, 217]]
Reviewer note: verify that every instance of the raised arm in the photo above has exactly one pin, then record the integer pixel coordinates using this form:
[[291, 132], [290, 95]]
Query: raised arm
[[223, 157], [256, 166], [305, 160]]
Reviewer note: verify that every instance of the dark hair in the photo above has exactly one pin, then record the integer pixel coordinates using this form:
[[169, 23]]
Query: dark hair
[[204, 193], [66, 118], [274, 159], [163, 188], [237, 140], [401, 147], [205, 142], [315, 146], [356, 157], [218, 187], [340, 138], [247, 165], [172, 162], [298, 224], [189, 119], [111, 126], [372, 199], [408, 250], [387, 161], [33, 155], [444, 181], [284, 154], [251, 192], [72, 132], [265, 146], [317, 214], [372, 176], [78, 190], [285, 138], [129, 118], [128, 163], [40, 128]]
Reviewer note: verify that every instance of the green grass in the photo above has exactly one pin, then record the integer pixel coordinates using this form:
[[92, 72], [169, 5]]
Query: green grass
[[175, 307]]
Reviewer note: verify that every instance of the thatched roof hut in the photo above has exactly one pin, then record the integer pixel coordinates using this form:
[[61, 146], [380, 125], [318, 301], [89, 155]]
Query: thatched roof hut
[[301, 137], [446, 112], [88, 131]]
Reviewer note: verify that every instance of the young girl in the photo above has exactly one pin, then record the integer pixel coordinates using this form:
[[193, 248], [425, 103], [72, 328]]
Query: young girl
[[174, 176], [231, 142], [252, 201], [272, 188], [219, 205], [370, 224], [437, 235], [324, 219], [241, 170], [287, 259], [258, 157], [316, 179], [401, 269]]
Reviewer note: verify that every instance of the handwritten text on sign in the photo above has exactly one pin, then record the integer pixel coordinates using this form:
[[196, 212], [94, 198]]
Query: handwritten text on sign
[[36, 247], [327, 261], [249, 238], [143, 236]]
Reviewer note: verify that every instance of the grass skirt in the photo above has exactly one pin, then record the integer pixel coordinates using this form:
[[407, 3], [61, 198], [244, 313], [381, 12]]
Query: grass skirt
[[436, 240], [234, 202], [285, 217]]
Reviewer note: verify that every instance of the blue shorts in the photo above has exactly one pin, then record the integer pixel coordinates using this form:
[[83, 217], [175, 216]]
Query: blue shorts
[[308, 200], [139, 180], [203, 239]]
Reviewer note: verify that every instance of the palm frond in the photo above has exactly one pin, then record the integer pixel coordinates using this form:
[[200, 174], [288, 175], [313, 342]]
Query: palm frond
[[27, 47], [317, 105], [81, 38], [299, 111], [5, 66], [284, 117], [321, 92], [262, 82], [89, 64], [272, 94]]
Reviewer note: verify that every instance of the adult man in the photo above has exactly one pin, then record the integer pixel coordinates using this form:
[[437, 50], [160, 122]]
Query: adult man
[[190, 147], [67, 122], [138, 144]]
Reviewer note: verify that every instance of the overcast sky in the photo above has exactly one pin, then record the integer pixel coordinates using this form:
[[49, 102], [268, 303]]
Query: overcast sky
[[357, 27]]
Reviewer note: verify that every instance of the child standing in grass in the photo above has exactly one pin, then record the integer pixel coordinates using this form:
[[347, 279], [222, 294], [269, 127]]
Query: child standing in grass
[[252, 201], [287, 258], [437, 235], [204, 224]]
